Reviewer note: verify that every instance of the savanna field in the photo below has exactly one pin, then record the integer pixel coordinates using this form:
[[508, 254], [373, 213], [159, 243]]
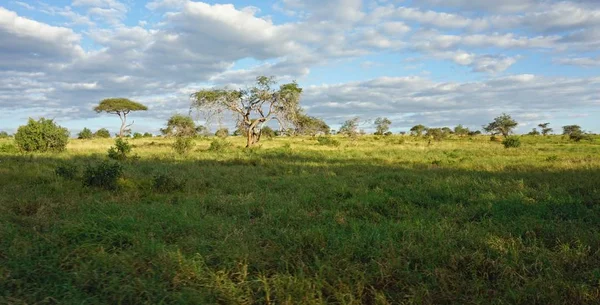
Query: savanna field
[[376, 220]]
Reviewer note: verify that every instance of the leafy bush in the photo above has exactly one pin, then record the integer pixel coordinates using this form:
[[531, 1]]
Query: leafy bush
[[387, 134], [105, 175], [4, 135], [120, 151], [8, 149], [137, 135], [267, 132], [512, 142], [183, 145], [67, 171], [102, 133], [147, 135], [85, 134], [164, 183], [219, 145], [578, 136], [328, 141], [222, 133], [42, 135]]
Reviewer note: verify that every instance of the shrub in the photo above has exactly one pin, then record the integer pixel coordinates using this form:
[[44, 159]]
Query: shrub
[[67, 171], [387, 134], [578, 136], [8, 149], [42, 135], [120, 151], [147, 135], [85, 134], [4, 135], [183, 145], [102, 133], [105, 175], [267, 132], [512, 142], [222, 133], [219, 145], [164, 183], [328, 141], [137, 135]]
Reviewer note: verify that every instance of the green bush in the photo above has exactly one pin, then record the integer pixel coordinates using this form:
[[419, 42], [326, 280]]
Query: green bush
[[102, 133], [42, 136], [137, 135], [512, 142], [4, 135], [164, 183], [67, 171], [219, 145], [104, 175], [328, 141], [578, 136], [85, 134], [8, 149], [267, 132], [222, 133], [183, 145], [120, 151], [147, 135]]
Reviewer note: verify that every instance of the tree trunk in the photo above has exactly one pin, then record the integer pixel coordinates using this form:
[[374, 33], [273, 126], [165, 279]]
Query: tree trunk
[[253, 133], [123, 124]]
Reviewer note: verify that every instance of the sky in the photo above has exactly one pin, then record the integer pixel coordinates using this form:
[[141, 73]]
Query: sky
[[431, 62]]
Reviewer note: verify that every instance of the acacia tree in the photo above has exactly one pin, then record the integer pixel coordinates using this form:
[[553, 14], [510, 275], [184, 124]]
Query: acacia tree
[[350, 127], [382, 125], [121, 107], [503, 124], [253, 107], [418, 130], [180, 126], [545, 129]]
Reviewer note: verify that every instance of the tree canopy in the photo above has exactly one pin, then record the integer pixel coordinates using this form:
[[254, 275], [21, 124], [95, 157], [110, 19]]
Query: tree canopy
[[382, 125], [180, 126], [312, 126], [253, 107], [503, 124], [418, 130], [121, 107], [350, 127]]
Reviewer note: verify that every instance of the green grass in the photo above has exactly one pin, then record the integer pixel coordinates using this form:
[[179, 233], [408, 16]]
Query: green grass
[[378, 220]]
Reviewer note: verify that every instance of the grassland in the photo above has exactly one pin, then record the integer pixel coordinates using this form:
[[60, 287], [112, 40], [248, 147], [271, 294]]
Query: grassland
[[375, 221]]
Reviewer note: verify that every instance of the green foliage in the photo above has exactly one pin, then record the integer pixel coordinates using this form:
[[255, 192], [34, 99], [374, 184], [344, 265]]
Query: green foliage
[[222, 133], [164, 183], [311, 126], [4, 135], [85, 134], [120, 151], [503, 125], [147, 135], [382, 126], [219, 145], [545, 129], [328, 141], [137, 135], [350, 128], [267, 132], [42, 135], [534, 132], [104, 175], [461, 131], [8, 148], [119, 105], [180, 126], [418, 130], [67, 171], [102, 133], [512, 142], [436, 134], [183, 145]]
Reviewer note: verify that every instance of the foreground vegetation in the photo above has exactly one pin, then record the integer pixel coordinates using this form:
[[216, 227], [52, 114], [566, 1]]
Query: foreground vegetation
[[372, 220]]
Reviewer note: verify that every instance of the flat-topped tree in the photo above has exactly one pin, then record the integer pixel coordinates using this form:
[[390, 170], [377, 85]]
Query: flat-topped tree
[[121, 107], [253, 107]]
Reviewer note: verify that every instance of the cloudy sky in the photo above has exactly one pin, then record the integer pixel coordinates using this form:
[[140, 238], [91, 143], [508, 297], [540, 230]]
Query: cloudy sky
[[434, 62]]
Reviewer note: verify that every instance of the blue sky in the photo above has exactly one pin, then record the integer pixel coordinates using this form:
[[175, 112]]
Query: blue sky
[[432, 62]]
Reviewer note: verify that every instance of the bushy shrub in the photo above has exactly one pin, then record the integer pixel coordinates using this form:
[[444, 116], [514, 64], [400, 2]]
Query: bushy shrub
[[512, 142], [8, 149], [387, 134], [120, 151], [222, 133], [579, 136], [42, 135], [328, 141], [267, 132], [137, 135], [85, 134], [219, 145], [164, 183], [102, 133], [67, 171], [4, 135], [147, 135], [104, 175], [183, 145]]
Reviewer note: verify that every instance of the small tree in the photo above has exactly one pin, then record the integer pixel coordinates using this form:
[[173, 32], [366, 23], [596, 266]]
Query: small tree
[[534, 132], [311, 126], [382, 125], [447, 131], [102, 133], [42, 135], [503, 124], [121, 107], [545, 129], [436, 134], [4, 135], [418, 130], [575, 133], [85, 134], [253, 107], [180, 126], [137, 135], [461, 131], [350, 128], [268, 132], [222, 133], [147, 135]]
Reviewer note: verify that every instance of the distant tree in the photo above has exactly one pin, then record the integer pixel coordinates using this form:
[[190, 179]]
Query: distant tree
[[121, 107], [534, 132], [3, 135], [41, 136], [254, 107], [102, 133], [179, 126], [350, 127], [382, 125], [268, 132], [418, 130], [222, 133], [85, 134], [137, 135], [474, 133], [545, 129], [311, 126], [575, 133], [503, 124], [461, 131], [436, 134], [447, 130], [147, 135], [202, 131], [403, 133]]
